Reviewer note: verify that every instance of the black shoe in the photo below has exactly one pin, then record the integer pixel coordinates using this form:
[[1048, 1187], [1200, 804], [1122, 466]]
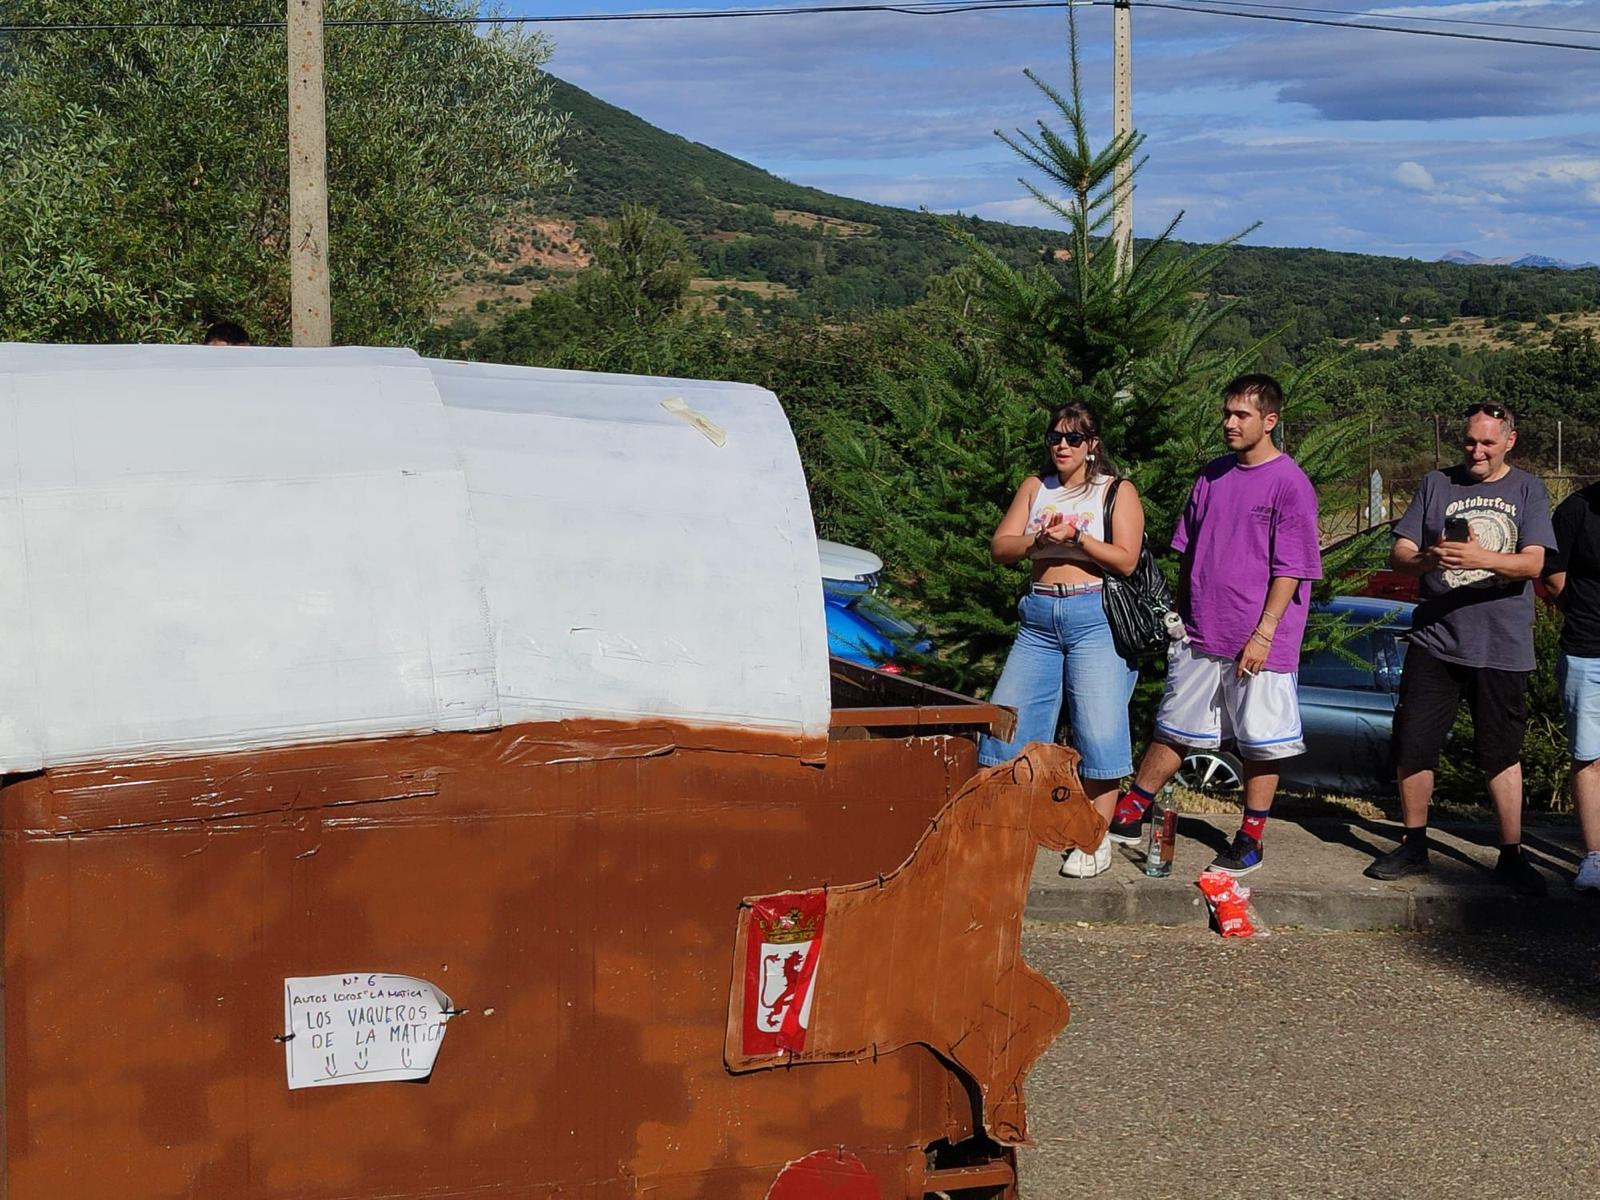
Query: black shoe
[[1520, 875], [1127, 833], [1240, 858], [1405, 859]]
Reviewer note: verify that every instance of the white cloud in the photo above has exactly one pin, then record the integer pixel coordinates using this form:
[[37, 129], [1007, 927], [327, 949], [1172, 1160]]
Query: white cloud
[[1474, 8], [1302, 129], [1413, 175]]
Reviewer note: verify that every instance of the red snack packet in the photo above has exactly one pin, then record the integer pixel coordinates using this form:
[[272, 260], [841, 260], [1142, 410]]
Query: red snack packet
[[1230, 903]]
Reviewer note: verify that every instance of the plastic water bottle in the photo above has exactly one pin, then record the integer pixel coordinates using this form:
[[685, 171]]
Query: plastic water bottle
[[1163, 835]]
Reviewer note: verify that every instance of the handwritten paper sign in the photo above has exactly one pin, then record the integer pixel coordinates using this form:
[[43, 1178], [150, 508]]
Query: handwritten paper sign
[[361, 1028]]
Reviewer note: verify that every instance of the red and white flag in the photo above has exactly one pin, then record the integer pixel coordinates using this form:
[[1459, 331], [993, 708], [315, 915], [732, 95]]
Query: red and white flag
[[785, 946]]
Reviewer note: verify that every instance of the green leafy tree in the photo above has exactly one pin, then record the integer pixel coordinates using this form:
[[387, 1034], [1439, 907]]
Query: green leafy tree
[[641, 270], [1545, 384], [146, 170], [54, 189], [628, 312]]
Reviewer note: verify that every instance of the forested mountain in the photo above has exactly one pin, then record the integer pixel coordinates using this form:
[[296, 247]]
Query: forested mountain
[[837, 255], [1321, 293], [807, 252]]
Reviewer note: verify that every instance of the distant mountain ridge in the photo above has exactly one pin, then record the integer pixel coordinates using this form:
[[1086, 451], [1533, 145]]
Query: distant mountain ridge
[[1467, 258], [776, 249]]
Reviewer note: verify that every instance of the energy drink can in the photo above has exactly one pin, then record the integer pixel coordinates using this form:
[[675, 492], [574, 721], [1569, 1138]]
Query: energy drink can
[[1163, 837]]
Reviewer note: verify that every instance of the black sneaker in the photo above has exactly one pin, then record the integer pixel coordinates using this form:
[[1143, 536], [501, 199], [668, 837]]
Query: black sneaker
[[1127, 833], [1520, 875], [1405, 859], [1241, 858]]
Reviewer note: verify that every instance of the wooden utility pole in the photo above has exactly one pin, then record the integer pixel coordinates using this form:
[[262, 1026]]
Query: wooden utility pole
[[1122, 126], [310, 310]]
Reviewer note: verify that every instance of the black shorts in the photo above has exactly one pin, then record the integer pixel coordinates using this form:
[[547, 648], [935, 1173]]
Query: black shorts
[[1431, 690]]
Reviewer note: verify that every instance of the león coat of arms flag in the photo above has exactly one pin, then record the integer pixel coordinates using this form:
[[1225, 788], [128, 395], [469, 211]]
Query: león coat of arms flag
[[781, 970]]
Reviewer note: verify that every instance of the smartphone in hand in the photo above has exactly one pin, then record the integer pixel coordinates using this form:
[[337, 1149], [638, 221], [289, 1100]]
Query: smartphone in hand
[[1456, 529]]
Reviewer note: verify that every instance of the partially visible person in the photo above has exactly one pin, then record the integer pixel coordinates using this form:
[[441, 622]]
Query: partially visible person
[[226, 333], [1572, 574], [1056, 524], [1476, 535], [1250, 546]]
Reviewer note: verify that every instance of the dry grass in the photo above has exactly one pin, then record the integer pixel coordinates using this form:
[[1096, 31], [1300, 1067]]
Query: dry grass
[[1290, 804], [1472, 333], [522, 241], [703, 293], [464, 297], [751, 287], [810, 220]]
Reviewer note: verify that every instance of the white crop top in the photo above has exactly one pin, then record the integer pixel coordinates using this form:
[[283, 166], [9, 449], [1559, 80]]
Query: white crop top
[[1084, 505]]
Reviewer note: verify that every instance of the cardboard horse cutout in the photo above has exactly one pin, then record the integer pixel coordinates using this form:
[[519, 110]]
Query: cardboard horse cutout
[[929, 953]]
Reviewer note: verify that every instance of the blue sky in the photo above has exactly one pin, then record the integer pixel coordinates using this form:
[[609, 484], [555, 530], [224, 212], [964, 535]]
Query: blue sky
[[1344, 139]]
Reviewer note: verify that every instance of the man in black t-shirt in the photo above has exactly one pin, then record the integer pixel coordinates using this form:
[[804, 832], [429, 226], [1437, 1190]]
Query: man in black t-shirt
[[1572, 574]]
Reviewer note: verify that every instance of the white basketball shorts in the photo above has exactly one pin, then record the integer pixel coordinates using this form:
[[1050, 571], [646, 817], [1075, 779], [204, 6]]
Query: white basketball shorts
[[1206, 704]]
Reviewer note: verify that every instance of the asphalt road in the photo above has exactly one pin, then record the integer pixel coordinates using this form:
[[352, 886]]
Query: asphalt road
[[1317, 1065]]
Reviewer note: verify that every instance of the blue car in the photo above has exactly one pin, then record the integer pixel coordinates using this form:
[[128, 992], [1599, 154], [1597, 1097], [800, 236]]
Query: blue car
[[1347, 709], [861, 628]]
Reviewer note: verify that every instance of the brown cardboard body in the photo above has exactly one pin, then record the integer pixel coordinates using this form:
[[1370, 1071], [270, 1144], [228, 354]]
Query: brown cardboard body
[[931, 953], [574, 888]]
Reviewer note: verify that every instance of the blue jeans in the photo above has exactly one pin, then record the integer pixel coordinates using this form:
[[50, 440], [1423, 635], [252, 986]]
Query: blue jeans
[[1064, 646]]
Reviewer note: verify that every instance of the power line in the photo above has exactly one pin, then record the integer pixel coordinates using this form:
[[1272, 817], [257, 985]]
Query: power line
[[1345, 12], [1440, 33], [926, 8]]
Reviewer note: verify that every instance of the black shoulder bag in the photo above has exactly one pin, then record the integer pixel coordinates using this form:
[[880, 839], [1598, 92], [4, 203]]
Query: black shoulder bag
[[1136, 604]]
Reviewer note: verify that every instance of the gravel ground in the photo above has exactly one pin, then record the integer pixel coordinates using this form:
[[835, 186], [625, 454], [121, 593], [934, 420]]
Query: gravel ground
[[1317, 1064]]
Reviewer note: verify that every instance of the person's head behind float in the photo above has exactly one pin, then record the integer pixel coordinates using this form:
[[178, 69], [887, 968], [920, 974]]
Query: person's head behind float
[[226, 333]]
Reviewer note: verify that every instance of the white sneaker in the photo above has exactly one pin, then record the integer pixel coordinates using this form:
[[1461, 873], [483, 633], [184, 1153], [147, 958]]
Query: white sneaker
[[1078, 865], [1588, 879]]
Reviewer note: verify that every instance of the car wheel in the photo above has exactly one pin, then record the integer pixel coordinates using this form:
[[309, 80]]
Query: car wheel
[[1210, 771]]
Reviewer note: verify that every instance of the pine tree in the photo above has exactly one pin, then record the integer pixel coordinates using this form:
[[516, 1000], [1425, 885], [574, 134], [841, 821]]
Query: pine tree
[[925, 474]]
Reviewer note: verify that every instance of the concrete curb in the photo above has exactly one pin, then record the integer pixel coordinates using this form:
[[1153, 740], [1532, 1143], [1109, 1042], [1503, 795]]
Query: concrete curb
[[1313, 881], [1163, 902]]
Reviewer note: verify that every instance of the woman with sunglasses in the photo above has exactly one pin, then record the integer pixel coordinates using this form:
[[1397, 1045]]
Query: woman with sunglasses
[[1056, 524]]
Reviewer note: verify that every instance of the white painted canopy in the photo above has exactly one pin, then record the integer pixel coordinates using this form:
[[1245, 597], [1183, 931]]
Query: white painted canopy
[[208, 548]]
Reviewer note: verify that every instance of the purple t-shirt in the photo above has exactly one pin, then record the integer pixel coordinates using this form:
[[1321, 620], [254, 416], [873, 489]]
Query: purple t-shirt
[[1243, 527]]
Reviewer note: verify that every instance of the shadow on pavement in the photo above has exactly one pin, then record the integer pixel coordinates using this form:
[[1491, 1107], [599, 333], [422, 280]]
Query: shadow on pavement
[[1203, 832], [1557, 861], [1545, 948], [1565, 970]]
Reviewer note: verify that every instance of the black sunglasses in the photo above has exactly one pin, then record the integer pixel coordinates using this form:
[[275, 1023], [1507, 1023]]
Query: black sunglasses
[[1494, 411], [1071, 437]]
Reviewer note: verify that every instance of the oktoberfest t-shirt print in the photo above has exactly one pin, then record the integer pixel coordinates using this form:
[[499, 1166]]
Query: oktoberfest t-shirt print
[[1493, 521], [1477, 618]]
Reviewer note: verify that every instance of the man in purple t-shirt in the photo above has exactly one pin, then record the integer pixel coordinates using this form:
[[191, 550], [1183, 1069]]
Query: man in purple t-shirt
[[1250, 549]]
